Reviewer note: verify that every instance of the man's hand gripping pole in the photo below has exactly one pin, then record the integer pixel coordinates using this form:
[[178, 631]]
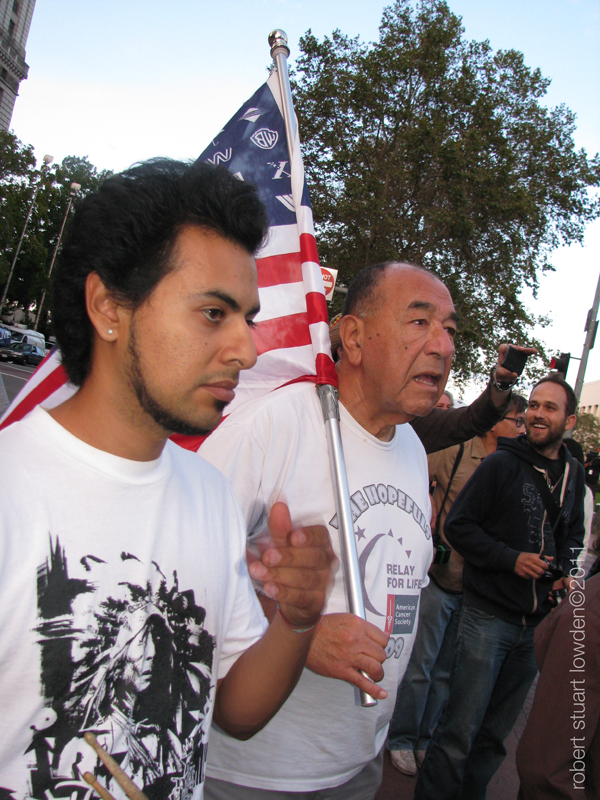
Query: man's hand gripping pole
[[328, 396]]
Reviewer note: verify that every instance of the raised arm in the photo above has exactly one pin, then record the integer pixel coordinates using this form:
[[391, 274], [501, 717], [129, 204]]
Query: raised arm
[[443, 428]]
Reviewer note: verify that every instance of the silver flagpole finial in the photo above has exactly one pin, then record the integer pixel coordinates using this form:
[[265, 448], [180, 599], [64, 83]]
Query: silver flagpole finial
[[278, 42]]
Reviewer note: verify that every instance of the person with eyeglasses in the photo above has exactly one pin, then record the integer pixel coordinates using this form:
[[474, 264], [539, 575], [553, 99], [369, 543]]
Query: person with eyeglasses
[[424, 690], [519, 422]]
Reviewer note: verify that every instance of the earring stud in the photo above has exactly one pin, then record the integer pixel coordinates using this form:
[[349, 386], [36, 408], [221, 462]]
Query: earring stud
[[109, 331]]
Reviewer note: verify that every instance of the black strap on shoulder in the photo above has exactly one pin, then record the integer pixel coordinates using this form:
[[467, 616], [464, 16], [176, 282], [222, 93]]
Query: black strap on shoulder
[[552, 507], [457, 460]]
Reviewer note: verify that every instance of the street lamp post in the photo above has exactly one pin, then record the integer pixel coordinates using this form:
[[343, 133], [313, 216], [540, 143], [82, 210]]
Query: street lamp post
[[47, 160], [75, 187], [591, 327]]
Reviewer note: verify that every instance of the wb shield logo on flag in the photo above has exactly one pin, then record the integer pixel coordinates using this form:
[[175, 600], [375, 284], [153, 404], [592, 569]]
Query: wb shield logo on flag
[[265, 139]]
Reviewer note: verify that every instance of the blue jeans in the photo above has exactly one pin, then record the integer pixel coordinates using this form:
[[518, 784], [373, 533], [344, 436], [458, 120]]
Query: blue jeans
[[493, 668], [424, 689]]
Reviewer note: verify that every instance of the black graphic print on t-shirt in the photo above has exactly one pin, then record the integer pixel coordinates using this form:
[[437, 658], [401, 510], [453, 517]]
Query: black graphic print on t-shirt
[[134, 668]]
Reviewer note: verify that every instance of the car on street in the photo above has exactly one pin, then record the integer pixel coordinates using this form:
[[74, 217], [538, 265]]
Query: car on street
[[23, 354], [7, 351]]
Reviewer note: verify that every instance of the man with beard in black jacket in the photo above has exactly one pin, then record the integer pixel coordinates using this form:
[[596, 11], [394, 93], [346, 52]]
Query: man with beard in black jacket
[[518, 523]]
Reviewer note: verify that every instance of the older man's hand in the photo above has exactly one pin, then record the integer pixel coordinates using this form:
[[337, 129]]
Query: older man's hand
[[344, 646], [297, 570]]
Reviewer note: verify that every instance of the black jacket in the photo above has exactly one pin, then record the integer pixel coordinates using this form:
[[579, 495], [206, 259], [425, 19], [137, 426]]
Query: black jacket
[[500, 514], [443, 428]]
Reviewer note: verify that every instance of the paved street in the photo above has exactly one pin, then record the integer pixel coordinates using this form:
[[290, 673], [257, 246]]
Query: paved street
[[504, 785], [14, 377]]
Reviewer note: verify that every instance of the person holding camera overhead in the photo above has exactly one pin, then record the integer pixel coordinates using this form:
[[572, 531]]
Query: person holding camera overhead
[[424, 689]]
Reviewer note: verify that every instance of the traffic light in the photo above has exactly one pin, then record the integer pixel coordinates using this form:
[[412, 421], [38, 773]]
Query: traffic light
[[560, 363]]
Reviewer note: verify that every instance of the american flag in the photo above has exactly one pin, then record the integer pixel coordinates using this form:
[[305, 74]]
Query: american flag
[[291, 335]]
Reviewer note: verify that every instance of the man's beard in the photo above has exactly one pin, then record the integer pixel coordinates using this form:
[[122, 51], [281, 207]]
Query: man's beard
[[162, 416], [552, 437]]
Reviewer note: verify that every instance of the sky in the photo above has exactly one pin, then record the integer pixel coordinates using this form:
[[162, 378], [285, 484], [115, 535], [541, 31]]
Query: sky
[[124, 81]]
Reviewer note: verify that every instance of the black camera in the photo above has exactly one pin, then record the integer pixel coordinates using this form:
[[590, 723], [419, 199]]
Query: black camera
[[514, 360], [553, 572], [559, 594]]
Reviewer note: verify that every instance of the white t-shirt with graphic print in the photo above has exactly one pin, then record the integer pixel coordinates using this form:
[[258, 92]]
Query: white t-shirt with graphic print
[[124, 597], [275, 449]]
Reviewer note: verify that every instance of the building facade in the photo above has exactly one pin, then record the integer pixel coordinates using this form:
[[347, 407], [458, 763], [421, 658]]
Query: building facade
[[589, 402], [15, 20]]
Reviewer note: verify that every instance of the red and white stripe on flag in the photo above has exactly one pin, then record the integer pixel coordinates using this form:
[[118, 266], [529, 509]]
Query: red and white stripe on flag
[[292, 333], [47, 386]]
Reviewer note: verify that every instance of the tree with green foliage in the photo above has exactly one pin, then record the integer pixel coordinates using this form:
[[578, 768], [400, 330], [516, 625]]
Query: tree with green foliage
[[18, 180], [587, 432], [428, 148]]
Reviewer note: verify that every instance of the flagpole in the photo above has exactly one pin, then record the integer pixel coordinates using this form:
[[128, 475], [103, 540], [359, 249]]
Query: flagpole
[[280, 52], [328, 394]]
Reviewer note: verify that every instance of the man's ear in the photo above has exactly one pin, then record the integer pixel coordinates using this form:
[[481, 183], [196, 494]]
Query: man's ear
[[571, 420], [352, 336], [105, 314]]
